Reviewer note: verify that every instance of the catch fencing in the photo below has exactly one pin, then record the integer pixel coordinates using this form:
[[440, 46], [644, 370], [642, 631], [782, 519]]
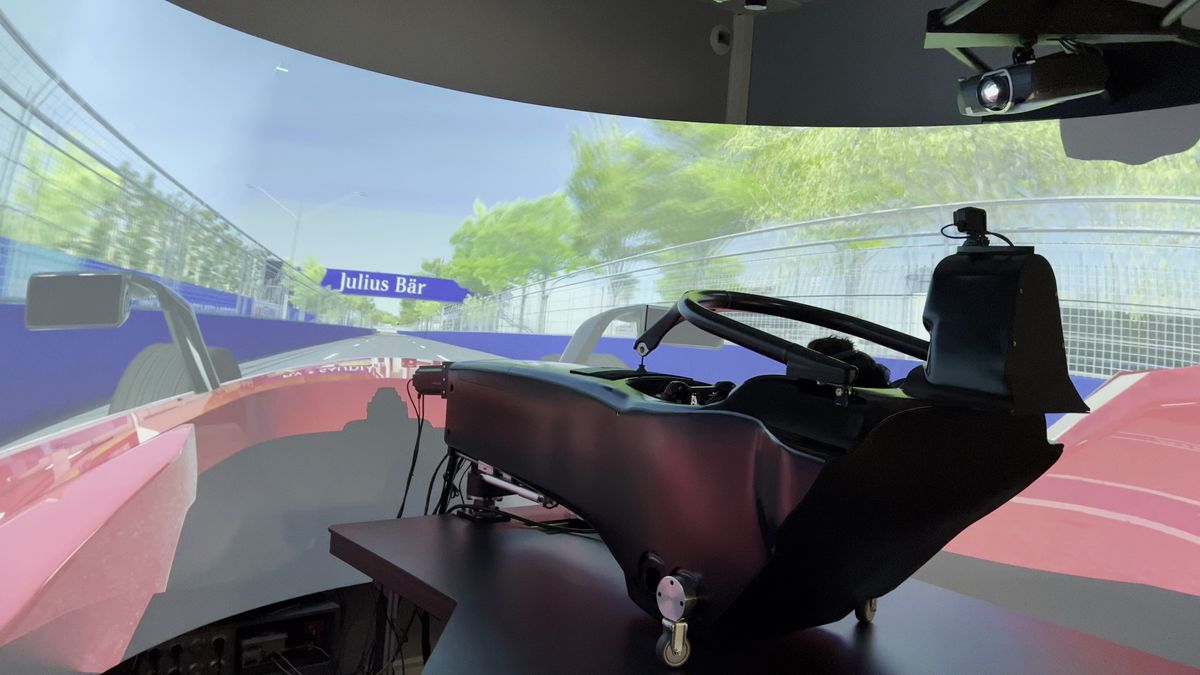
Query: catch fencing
[[1127, 269], [76, 195]]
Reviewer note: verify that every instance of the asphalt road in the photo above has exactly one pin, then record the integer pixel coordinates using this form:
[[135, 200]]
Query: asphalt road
[[380, 344], [377, 345]]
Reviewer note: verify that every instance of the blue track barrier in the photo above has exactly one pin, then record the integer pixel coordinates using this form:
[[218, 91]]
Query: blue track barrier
[[51, 375]]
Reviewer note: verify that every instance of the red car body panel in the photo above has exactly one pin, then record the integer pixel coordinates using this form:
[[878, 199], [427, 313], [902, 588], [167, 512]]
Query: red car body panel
[[1123, 503], [88, 557], [90, 517]]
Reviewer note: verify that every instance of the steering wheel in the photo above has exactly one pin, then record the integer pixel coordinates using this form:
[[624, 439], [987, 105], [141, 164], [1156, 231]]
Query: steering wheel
[[697, 308]]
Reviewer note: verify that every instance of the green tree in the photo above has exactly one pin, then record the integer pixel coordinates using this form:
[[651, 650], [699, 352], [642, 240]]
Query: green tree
[[140, 246], [62, 196], [413, 312], [800, 174], [514, 243], [677, 185]]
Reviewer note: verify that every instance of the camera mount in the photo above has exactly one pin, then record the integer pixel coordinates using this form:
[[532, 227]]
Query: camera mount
[[972, 222]]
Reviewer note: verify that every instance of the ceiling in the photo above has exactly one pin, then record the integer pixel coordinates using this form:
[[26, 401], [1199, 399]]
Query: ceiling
[[800, 63], [739, 6]]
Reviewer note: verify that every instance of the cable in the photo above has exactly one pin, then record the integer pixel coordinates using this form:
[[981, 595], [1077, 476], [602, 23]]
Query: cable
[[589, 533], [401, 640], [951, 236], [1001, 238], [401, 636], [433, 479], [1072, 46], [985, 232], [447, 483], [461, 492], [377, 635], [281, 668], [382, 618], [449, 489], [407, 628], [418, 403], [419, 408], [362, 658], [426, 644], [290, 664]]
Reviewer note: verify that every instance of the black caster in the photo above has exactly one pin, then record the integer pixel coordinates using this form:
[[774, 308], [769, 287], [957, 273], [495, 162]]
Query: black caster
[[676, 596], [865, 613], [671, 653]]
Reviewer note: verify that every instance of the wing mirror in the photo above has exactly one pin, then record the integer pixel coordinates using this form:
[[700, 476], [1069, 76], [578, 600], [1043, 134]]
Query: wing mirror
[[58, 300], [55, 301]]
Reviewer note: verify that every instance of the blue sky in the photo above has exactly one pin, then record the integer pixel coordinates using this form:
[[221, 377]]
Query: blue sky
[[208, 104]]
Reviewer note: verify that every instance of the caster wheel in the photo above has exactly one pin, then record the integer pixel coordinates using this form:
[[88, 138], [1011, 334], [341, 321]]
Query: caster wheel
[[865, 613], [670, 657]]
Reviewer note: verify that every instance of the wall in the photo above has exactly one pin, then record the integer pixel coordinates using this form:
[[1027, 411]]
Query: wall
[[51, 375]]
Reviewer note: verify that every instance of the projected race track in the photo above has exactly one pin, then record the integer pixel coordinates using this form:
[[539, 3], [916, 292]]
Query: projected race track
[[377, 345], [238, 484]]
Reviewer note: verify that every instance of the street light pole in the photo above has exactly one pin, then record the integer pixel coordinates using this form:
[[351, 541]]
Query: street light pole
[[298, 215], [298, 218]]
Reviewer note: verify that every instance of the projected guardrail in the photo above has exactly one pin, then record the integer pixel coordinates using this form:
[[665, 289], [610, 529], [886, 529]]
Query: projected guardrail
[[1129, 286], [74, 191]]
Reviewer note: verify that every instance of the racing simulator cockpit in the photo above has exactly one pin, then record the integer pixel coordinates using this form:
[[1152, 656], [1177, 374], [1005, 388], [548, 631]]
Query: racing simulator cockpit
[[647, 336]]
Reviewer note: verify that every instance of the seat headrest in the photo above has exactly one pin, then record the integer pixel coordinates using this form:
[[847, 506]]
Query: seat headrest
[[996, 337]]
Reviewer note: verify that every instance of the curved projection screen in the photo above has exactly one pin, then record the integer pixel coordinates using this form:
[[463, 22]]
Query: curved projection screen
[[333, 228], [797, 63]]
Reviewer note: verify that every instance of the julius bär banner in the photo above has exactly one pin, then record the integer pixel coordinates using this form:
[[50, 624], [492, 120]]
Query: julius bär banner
[[385, 285]]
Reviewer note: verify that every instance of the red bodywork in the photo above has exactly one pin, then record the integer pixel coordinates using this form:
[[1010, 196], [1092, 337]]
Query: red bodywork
[[1123, 503], [90, 517]]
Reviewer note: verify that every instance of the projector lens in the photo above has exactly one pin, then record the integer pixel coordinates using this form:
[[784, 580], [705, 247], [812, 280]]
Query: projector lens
[[993, 93]]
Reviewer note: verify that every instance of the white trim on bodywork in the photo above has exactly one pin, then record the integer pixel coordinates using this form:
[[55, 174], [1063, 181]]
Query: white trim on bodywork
[[1107, 392]]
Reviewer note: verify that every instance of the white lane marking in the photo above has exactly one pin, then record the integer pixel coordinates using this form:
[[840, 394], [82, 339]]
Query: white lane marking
[[357, 344], [330, 356], [1161, 441], [1125, 486], [421, 346], [1112, 515], [1107, 392], [444, 358]]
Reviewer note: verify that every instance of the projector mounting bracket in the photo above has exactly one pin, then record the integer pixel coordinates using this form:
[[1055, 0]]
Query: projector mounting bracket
[[970, 24]]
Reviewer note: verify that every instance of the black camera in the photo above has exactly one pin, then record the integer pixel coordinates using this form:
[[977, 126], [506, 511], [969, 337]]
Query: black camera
[[432, 380], [1033, 84], [972, 222]]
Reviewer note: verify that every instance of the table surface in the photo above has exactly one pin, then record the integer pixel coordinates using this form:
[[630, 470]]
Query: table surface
[[519, 600]]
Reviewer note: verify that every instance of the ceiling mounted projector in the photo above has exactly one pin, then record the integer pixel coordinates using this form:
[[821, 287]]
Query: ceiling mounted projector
[[1033, 84]]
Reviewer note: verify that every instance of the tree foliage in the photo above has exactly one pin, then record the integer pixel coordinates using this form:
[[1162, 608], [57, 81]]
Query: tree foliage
[[513, 243], [63, 199], [628, 193], [681, 183]]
